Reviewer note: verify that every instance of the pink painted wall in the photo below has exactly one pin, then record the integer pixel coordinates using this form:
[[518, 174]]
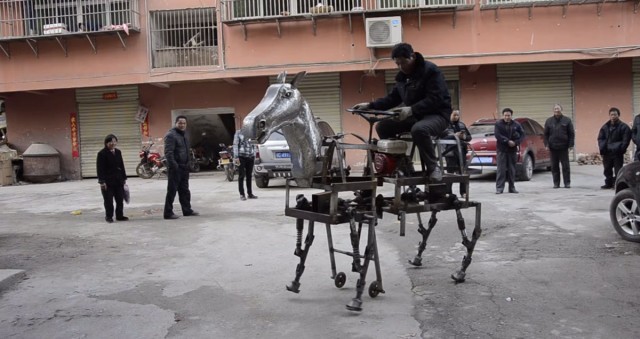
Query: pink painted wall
[[596, 90], [478, 93], [51, 110]]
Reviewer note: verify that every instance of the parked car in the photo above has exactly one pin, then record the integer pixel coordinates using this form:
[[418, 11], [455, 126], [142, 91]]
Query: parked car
[[273, 159], [532, 154], [623, 210]]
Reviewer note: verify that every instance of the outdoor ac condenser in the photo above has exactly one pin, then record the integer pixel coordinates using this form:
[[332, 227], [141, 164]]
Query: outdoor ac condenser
[[383, 32]]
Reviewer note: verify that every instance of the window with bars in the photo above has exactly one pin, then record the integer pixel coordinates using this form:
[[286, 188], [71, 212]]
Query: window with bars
[[184, 38]]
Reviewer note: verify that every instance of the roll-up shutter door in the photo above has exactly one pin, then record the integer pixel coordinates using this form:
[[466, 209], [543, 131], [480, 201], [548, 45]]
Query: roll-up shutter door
[[636, 86], [322, 92], [532, 89], [98, 117]]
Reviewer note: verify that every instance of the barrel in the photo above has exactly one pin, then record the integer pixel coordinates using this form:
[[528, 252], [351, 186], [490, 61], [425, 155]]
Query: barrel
[[41, 163]]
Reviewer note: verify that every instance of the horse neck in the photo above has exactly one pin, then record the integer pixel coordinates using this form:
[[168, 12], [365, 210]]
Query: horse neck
[[305, 141]]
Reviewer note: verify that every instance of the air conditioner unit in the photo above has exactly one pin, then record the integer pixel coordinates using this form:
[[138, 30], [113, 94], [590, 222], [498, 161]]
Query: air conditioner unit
[[383, 32]]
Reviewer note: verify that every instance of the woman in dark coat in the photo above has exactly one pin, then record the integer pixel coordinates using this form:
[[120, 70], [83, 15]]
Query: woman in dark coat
[[112, 177]]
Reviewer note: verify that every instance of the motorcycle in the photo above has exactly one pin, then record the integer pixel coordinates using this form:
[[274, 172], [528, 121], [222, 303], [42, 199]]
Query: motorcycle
[[194, 164], [225, 161], [150, 163]]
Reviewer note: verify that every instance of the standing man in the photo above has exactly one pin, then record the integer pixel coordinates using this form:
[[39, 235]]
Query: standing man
[[176, 152], [559, 137], [421, 89], [635, 136], [111, 177], [613, 139], [244, 155], [509, 135]]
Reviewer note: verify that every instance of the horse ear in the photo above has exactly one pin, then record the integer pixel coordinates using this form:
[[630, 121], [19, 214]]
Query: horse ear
[[282, 77], [298, 78]]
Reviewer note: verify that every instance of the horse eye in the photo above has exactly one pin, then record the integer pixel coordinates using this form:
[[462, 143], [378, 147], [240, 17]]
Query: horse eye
[[287, 94]]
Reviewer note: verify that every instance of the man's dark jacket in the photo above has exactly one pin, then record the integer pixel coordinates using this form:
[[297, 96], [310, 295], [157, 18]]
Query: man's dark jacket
[[559, 133], [176, 149], [635, 131], [613, 139], [110, 167], [425, 90], [508, 131]]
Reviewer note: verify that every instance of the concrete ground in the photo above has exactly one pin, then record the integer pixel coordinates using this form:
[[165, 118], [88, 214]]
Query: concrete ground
[[548, 264]]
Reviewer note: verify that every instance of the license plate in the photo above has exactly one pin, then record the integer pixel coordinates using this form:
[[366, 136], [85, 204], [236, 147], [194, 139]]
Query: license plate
[[482, 160], [225, 161], [283, 155]]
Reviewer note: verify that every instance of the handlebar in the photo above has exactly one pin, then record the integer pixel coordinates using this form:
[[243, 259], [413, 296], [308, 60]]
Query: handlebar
[[372, 115]]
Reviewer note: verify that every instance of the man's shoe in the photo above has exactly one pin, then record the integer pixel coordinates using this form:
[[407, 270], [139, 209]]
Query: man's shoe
[[436, 174], [122, 218], [606, 187], [498, 192], [514, 191], [243, 198], [171, 217], [567, 186], [192, 214], [556, 186], [109, 220], [251, 196]]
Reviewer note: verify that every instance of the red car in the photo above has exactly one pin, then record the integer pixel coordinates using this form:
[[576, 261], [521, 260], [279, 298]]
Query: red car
[[532, 154]]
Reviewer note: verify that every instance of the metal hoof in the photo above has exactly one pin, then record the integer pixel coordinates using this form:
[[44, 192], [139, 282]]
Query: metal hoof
[[458, 276], [417, 261], [294, 287], [355, 305], [297, 252]]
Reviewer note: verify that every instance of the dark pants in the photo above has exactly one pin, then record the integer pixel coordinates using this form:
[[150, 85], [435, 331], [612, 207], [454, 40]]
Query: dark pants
[[612, 162], [506, 162], [245, 170], [560, 158], [453, 166], [421, 132], [178, 181], [113, 191]]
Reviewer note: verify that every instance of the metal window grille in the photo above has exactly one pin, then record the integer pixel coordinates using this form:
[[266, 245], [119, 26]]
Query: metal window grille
[[183, 38], [20, 18]]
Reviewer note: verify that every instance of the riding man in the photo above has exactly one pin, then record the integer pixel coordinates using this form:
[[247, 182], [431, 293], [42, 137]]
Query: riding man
[[426, 104]]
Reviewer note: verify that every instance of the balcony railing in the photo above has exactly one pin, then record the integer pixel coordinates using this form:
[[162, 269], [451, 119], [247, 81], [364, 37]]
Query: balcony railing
[[239, 10], [32, 18], [540, 3]]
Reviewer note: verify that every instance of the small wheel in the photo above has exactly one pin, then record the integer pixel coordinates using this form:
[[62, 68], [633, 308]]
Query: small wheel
[[374, 289], [340, 279], [143, 170], [230, 172]]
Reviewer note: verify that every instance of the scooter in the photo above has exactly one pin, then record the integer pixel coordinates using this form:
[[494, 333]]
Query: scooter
[[150, 163], [225, 161]]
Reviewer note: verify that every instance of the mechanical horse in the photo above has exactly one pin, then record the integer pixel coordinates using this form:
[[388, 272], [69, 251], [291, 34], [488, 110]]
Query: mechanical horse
[[284, 108]]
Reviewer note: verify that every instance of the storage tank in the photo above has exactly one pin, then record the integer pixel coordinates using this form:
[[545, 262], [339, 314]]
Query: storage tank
[[41, 163]]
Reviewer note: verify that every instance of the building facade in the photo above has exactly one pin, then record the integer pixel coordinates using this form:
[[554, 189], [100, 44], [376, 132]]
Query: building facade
[[73, 71]]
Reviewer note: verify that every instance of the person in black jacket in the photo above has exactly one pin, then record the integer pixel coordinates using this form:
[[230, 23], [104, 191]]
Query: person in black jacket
[[176, 152], [559, 137], [451, 153], [509, 135], [111, 177], [613, 139], [421, 89], [635, 136]]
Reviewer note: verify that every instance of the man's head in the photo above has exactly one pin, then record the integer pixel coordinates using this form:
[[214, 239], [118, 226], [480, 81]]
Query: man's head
[[507, 114], [455, 116], [614, 115], [181, 122], [557, 110], [404, 57], [110, 141]]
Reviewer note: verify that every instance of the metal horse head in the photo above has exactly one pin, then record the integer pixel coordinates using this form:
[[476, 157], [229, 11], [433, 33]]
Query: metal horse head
[[284, 108]]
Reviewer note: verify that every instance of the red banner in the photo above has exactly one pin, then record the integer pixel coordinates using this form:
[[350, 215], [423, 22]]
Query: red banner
[[144, 127], [75, 143]]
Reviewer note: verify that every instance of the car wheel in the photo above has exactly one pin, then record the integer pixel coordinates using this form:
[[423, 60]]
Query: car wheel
[[262, 181], [525, 171], [625, 215]]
